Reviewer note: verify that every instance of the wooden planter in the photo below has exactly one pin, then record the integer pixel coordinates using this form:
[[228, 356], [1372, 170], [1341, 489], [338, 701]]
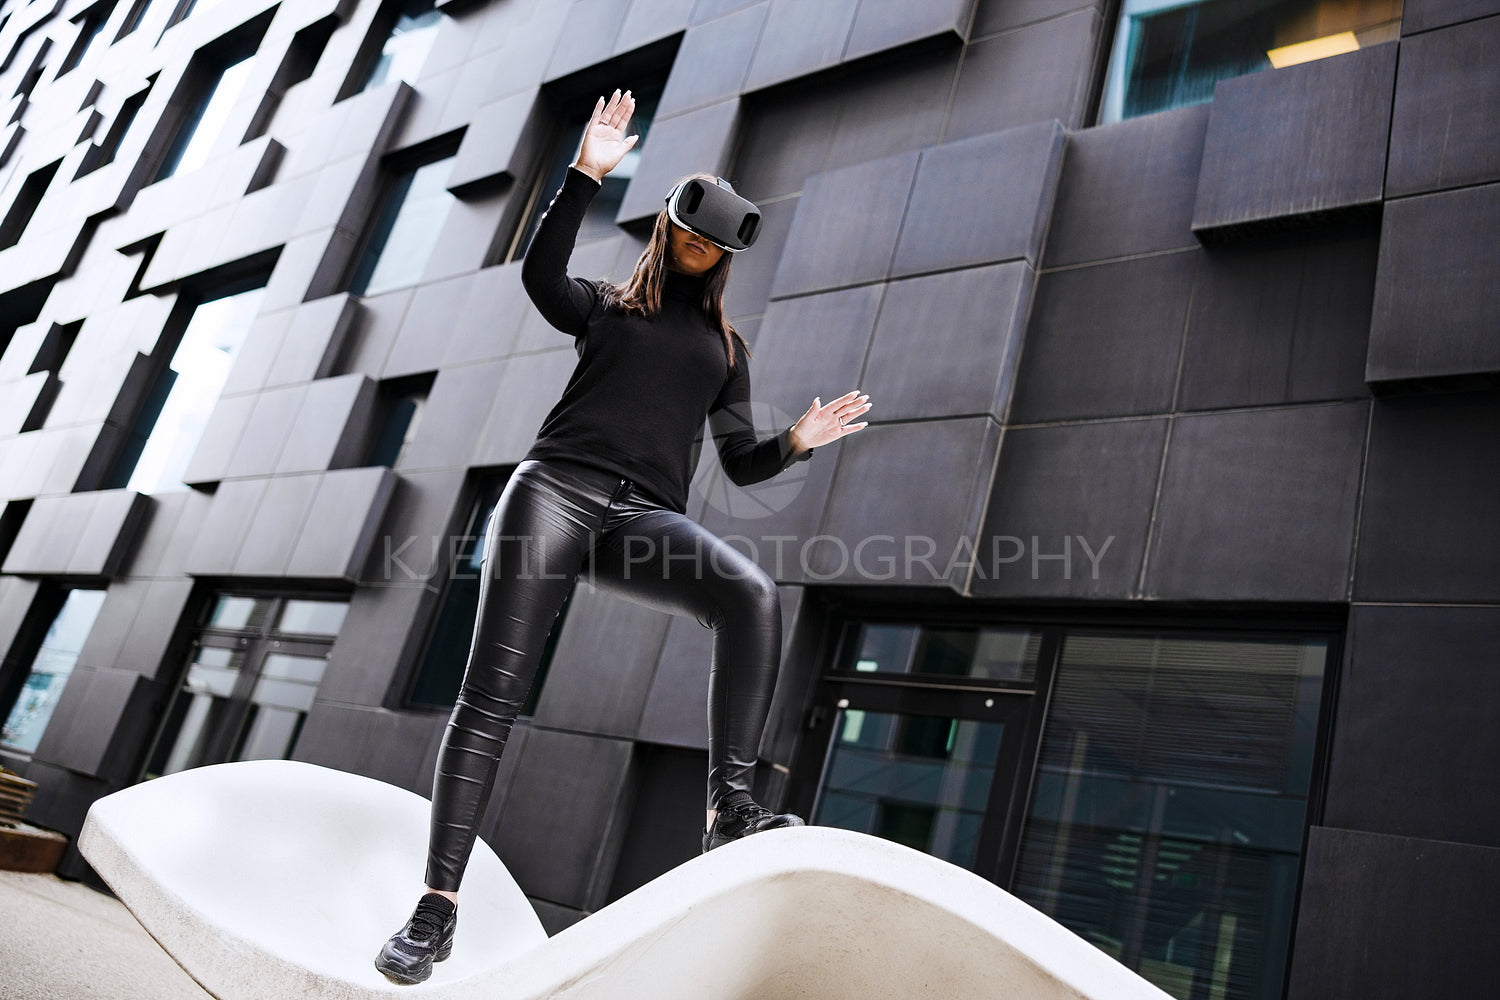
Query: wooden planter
[[15, 796], [25, 848]]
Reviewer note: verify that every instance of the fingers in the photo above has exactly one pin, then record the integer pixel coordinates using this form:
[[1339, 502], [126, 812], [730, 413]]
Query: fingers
[[608, 113], [614, 113]]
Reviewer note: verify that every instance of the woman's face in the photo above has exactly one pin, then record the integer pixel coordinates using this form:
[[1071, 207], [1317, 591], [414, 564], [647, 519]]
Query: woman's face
[[690, 253]]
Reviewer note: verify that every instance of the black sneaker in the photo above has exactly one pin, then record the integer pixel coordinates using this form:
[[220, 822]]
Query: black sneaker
[[737, 821], [427, 937]]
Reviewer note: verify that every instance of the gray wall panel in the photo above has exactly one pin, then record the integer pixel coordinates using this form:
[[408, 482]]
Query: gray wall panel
[[590, 692], [1388, 918], [1410, 670], [382, 634], [846, 226], [957, 218], [1069, 510], [1281, 320], [1128, 188], [1034, 74], [1104, 340], [921, 485], [1299, 141], [1259, 505], [558, 815], [947, 344], [712, 62], [1436, 310], [342, 523], [1423, 15], [799, 39], [1428, 530], [1443, 126]]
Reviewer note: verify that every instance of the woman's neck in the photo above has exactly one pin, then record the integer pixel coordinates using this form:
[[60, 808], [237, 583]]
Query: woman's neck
[[680, 284]]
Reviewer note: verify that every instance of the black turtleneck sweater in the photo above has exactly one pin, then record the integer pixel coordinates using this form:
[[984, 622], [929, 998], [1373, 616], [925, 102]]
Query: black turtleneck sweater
[[637, 399]]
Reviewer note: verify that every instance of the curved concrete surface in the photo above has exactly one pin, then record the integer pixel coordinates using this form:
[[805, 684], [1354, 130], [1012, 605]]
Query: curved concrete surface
[[269, 879]]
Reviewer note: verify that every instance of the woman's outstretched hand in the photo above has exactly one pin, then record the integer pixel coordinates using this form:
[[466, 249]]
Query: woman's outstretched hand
[[824, 423], [604, 140]]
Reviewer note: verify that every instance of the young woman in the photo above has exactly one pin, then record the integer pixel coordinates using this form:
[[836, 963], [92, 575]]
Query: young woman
[[602, 491]]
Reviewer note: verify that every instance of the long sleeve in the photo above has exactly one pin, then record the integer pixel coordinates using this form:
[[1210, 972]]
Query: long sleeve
[[563, 301], [746, 460]]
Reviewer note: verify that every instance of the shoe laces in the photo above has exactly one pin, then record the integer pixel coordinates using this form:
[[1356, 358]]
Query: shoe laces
[[427, 922], [748, 812]]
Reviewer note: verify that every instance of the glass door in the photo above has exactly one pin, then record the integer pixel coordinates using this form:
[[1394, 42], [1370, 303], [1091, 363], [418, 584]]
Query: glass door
[[925, 769], [921, 734], [253, 674]]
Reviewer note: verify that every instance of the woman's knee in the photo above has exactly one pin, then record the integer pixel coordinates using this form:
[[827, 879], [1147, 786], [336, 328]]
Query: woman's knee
[[751, 591]]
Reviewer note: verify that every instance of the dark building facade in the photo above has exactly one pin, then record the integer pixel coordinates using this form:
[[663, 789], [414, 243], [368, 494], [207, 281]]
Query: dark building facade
[[1163, 589]]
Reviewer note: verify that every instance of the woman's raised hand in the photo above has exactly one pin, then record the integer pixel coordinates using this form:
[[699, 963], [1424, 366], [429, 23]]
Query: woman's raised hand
[[604, 140], [824, 423]]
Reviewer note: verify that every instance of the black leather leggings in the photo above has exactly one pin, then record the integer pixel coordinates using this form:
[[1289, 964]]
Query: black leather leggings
[[554, 520]]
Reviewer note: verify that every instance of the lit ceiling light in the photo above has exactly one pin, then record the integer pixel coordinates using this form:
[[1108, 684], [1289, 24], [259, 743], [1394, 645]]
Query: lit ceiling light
[[1317, 48]]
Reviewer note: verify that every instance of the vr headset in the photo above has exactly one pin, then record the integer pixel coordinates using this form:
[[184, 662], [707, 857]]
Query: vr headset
[[714, 212]]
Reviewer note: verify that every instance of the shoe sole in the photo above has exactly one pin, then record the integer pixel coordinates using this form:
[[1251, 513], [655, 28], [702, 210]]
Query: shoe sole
[[396, 975], [710, 843]]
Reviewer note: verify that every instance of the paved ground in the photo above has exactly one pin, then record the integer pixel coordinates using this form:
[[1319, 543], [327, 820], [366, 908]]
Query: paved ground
[[63, 940]]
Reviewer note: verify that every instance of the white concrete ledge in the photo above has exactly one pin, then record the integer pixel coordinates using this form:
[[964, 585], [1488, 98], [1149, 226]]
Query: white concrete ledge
[[270, 879]]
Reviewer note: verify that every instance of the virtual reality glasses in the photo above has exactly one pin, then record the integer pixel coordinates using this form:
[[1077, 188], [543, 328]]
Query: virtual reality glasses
[[714, 212]]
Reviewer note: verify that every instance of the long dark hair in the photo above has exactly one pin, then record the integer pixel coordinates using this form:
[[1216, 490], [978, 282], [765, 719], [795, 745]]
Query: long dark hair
[[641, 295]]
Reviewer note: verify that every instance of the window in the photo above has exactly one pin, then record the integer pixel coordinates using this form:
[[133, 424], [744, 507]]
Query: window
[[1170, 802], [49, 358], [172, 418], [90, 27], [50, 669], [106, 151], [405, 230], [1169, 54], [201, 125], [28, 200], [441, 674], [1148, 789], [297, 66], [254, 671], [599, 220], [398, 415], [134, 18], [413, 29]]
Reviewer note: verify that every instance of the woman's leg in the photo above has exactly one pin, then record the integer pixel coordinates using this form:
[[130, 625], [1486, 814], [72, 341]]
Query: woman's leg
[[543, 525], [667, 561]]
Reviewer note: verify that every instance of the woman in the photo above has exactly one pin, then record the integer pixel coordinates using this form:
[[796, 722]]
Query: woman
[[602, 491]]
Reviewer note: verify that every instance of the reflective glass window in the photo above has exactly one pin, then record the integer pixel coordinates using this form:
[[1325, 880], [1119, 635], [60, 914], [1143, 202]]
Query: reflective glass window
[[406, 48], [251, 681], [200, 129], [174, 418], [599, 219], [980, 653], [405, 230], [313, 617], [1170, 801], [919, 780], [90, 28], [1169, 54], [50, 670]]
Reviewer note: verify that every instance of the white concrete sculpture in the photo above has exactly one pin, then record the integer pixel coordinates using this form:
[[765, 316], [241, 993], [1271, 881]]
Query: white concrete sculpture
[[274, 879]]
